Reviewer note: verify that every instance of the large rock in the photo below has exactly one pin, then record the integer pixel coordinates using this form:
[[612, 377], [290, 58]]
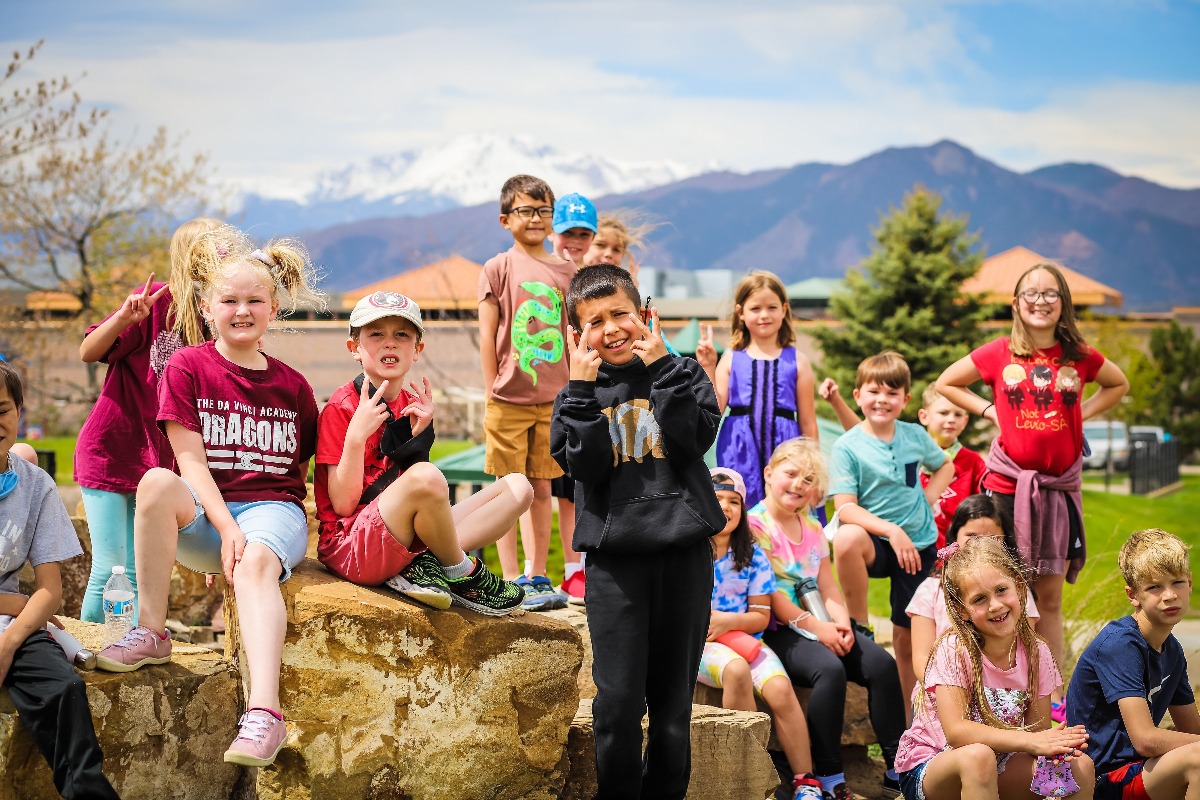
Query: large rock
[[163, 729], [729, 755], [386, 699], [577, 619]]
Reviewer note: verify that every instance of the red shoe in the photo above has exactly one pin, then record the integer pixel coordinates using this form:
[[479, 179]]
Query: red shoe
[[573, 588]]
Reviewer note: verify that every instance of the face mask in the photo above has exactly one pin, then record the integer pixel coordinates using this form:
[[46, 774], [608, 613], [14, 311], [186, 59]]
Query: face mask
[[8, 481]]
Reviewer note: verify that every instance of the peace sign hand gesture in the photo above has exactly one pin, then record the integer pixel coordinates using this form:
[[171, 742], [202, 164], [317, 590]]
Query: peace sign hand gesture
[[585, 362], [650, 347], [372, 412], [706, 352], [419, 411], [137, 306]]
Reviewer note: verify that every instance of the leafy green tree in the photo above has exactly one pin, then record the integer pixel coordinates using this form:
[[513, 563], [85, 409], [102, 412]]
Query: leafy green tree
[[1175, 401], [1112, 338], [907, 296]]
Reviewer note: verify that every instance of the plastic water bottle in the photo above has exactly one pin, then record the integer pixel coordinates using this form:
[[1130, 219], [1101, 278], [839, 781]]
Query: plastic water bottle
[[118, 604], [810, 595]]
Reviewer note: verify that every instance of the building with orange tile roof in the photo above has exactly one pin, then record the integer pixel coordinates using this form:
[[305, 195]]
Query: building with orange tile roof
[[443, 289], [999, 275]]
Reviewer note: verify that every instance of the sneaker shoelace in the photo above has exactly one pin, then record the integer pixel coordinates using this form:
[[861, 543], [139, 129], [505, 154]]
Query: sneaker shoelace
[[254, 727], [133, 637]]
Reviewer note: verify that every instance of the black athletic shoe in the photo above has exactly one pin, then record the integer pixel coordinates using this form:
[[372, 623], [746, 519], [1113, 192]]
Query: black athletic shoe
[[482, 591], [423, 580]]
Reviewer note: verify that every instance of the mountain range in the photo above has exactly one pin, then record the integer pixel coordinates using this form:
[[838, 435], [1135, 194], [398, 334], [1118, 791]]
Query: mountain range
[[815, 219]]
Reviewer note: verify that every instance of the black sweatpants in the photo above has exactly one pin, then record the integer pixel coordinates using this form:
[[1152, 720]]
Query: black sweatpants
[[53, 706], [812, 664], [648, 617]]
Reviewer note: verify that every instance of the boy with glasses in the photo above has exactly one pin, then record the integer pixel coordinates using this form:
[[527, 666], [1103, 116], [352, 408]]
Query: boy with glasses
[[522, 348]]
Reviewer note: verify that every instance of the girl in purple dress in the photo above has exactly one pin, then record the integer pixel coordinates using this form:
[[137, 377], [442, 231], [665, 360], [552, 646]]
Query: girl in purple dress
[[765, 383]]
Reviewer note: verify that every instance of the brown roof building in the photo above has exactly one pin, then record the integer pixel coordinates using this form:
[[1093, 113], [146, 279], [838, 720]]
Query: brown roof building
[[445, 288], [999, 274]]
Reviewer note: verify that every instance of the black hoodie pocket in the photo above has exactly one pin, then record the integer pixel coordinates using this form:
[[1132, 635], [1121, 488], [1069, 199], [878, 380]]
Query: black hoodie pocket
[[650, 523]]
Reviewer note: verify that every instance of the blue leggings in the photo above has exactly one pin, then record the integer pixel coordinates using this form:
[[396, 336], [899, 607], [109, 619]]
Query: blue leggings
[[110, 523]]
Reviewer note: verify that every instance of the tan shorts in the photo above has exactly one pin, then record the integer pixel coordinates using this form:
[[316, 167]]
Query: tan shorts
[[518, 440]]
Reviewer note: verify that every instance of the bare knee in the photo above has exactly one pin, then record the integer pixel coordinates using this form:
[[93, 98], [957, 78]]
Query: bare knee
[[259, 564], [977, 759], [425, 481], [780, 695], [736, 674], [157, 484], [541, 489], [850, 541], [520, 488]]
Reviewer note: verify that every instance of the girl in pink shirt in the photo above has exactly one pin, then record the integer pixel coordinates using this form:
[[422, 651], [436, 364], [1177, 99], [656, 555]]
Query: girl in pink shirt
[[982, 725]]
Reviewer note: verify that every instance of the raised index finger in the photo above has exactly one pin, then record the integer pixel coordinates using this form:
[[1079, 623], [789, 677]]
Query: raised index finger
[[146, 288]]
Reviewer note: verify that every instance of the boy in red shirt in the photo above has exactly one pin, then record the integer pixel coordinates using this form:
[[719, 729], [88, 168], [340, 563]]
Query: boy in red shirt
[[385, 511], [945, 423]]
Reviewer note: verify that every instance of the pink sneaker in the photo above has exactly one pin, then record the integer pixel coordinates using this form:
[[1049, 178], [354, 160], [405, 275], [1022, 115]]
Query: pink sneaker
[[260, 737], [138, 647]]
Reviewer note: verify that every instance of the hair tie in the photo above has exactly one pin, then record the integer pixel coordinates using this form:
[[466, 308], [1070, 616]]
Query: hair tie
[[946, 552], [222, 251], [264, 257]]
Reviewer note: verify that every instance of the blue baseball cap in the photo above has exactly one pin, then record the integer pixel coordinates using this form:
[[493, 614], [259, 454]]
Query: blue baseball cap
[[574, 211]]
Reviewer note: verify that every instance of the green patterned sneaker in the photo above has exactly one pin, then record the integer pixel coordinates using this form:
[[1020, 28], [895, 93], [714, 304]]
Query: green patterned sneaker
[[484, 592], [423, 580]]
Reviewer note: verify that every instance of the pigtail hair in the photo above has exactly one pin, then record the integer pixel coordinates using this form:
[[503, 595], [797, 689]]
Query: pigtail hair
[[184, 314], [294, 276]]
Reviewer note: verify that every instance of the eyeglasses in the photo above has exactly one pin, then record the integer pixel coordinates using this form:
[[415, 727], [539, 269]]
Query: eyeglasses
[[528, 212], [1032, 296]]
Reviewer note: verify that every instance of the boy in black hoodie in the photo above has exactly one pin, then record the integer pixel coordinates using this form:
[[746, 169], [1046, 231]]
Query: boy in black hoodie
[[632, 427]]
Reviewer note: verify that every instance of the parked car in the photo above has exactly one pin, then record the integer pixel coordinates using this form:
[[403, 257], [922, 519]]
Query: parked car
[[1098, 433], [1148, 433]]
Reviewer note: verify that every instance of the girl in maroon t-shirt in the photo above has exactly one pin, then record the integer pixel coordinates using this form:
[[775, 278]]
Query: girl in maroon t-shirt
[[1036, 376], [120, 441], [243, 428]]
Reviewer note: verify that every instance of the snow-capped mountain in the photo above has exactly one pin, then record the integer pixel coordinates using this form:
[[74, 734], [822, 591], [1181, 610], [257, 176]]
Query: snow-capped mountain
[[464, 171]]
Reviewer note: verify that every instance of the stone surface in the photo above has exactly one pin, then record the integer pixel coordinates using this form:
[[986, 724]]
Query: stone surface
[[163, 729], [577, 619], [729, 755], [386, 699]]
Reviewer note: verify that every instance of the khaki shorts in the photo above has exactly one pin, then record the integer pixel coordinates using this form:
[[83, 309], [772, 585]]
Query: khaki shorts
[[518, 440]]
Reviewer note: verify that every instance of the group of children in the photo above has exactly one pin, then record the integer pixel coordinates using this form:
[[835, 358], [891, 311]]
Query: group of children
[[723, 576]]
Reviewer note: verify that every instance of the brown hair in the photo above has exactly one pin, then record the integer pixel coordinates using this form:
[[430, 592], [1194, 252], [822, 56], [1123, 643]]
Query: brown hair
[[528, 185], [1066, 331], [12, 382], [975, 553], [1152, 553], [184, 314], [739, 336], [887, 369]]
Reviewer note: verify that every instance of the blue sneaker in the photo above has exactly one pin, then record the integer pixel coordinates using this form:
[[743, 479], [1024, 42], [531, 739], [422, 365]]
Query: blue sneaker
[[540, 594]]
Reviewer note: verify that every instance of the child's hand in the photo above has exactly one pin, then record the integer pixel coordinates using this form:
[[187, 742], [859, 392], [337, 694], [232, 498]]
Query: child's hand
[[706, 353], [833, 636], [370, 414], [419, 411], [650, 347], [1064, 742], [232, 546], [906, 552], [721, 623], [137, 306], [828, 390], [585, 362]]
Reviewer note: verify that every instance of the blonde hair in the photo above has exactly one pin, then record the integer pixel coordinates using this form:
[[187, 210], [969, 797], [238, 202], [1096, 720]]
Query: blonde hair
[[971, 556], [886, 369], [1066, 331], [184, 313], [283, 262], [1152, 553], [630, 227], [806, 455], [739, 336]]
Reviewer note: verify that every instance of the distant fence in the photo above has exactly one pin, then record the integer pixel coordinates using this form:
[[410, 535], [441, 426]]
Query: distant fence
[[1153, 466]]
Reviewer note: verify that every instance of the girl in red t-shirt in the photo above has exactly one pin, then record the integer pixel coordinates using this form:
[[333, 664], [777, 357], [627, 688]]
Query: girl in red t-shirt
[[1036, 376], [120, 440], [243, 427]]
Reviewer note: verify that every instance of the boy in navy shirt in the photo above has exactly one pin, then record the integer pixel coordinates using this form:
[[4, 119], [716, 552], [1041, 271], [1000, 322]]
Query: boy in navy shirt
[[1133, 673]]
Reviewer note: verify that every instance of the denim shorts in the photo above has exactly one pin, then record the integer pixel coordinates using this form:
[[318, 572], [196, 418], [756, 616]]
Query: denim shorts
[[912, 782], [278, 525]]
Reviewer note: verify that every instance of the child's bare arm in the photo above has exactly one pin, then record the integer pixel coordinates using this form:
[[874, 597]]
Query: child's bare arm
[[1148, 739], [45, 600], [924, 634], [1185, 718], [845, 415], [721, 380], [193, 468], [938, 482], [1113, 386], [851, 513], [489, 323], [953, 383], [345, 479], [12, 604], [751, 621], [952, 704], [806, 398]]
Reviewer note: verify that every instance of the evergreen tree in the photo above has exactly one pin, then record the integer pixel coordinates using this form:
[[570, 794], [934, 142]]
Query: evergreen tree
[[907, 296], [1175, 401]]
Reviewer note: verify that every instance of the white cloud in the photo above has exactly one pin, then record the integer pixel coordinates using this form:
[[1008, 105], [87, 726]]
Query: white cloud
[[750, 85]]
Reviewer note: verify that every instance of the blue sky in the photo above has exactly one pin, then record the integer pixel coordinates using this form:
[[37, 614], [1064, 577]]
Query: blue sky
[[278, 91]]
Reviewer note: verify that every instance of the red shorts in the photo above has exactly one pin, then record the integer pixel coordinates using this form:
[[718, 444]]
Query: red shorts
[[362, 549], [1123, 783]]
